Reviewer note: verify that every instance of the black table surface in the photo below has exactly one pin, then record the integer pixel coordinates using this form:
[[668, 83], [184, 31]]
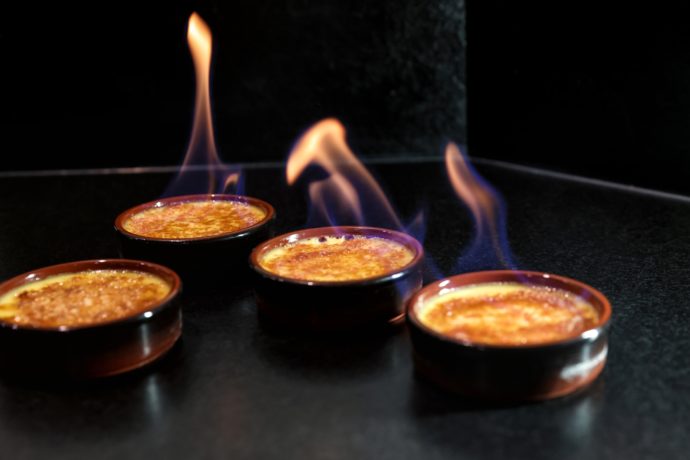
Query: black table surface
[[232, 388]]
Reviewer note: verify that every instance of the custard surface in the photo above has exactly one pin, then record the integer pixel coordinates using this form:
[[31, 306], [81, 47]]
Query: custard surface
[[337, 258], [507, 313], [194, 219], [82, 298]]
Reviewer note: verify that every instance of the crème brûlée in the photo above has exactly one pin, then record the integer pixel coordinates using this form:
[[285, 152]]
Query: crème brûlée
[[508, 313], [337, 258], [194, 219], [83, 298]]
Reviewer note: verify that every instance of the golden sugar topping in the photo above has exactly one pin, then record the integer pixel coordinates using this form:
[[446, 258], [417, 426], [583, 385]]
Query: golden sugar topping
[[194, 219], [508, 314], [337, 258], [82, 298]]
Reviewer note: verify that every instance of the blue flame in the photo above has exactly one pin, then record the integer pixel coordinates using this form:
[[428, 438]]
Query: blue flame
[[489, 248], [202, 171], [207, 178]]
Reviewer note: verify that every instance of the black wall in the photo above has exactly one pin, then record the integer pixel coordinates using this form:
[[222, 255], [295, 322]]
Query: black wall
[[114, 85], [587, 87], [595, 88]]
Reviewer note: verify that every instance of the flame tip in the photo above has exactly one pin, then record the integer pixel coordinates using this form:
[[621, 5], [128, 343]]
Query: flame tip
[[483, 202], [348, 181], [201, 149], [195, 19]]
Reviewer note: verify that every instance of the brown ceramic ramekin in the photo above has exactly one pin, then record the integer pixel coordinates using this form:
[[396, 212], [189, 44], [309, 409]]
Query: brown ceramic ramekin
[[322, 306], [507, 372], [96, 350], [199, 259]]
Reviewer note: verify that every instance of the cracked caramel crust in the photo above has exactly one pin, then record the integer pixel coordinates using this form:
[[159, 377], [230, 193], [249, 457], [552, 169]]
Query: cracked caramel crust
[[194, 219], [337, 258], [512, 314], [83, 298]]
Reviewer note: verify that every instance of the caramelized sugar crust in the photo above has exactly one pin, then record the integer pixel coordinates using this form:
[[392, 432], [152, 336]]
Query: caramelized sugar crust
[[337, 258], [194, 219], [83, 298], [509, 314]]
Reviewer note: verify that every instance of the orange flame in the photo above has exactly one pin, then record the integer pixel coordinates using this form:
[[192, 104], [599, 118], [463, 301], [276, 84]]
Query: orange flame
[[349, 183], [474, 194], [201, 155], [199, 40], [231, 181], [482, 201]]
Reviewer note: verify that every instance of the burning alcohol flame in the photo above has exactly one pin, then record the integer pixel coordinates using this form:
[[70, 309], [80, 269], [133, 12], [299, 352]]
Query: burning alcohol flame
[[349, 195], [489, 247], [199, 40], [202, 171]]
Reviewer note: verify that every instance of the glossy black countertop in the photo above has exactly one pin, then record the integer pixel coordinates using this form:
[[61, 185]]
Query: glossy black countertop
[[233, 388]]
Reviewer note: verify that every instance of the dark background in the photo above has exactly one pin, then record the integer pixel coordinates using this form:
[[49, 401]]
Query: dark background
[[114, 86], [595, 88], [585, 88]]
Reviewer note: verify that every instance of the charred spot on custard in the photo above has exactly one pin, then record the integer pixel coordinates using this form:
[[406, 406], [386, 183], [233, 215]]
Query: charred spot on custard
[[82, 298], [194, 219], [508, 314], [337, 258]]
